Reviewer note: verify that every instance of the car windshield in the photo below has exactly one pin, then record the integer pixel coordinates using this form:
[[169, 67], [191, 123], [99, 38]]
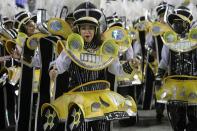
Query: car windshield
[[92, 86]]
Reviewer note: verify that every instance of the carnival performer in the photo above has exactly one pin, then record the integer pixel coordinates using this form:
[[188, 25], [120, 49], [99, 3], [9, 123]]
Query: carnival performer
[[87, 23], [88, 28], [181, 113], [25, 23], [145, 90], [7, 90], [115, 21], [154, 47]]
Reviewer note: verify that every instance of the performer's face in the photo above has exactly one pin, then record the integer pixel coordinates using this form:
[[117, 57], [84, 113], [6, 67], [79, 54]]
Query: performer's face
[[180, 26], [87, 31], [30, 27]]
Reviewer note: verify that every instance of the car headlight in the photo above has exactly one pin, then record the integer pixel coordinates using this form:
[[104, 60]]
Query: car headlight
[[128, 103], [192, 95], [95, 106], [131, 113]]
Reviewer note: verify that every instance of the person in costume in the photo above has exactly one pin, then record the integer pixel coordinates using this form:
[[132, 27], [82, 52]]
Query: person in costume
[[7, 32], [181, 113], [7, 100], [123, 84], [115, 21], [25, 23], [87, 23], [154, 46], [144, 92]]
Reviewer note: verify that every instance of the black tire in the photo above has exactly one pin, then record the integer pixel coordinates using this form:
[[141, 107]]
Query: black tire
[[75, 118], [128, 122], [49, 119]]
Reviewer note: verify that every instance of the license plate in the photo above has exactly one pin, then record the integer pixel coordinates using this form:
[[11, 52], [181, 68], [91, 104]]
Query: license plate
[[116, 115]]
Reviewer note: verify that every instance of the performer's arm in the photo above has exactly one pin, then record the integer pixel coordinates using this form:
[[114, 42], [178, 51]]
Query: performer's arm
[[119, 69], [62, 63]]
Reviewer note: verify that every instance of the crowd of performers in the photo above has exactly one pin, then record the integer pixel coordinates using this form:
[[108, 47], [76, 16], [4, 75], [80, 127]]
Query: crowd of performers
[[161, 55]]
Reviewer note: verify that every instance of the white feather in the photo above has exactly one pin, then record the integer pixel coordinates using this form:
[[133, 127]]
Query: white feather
[[54, 7], [131, 10], [9, 9], [193, 8]]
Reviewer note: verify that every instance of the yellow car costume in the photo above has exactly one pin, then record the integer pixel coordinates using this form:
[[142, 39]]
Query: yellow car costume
[[83, 104]]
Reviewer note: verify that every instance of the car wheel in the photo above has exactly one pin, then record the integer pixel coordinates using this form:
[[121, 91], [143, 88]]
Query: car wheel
[[128, 122], [49, 119], [75, 118]]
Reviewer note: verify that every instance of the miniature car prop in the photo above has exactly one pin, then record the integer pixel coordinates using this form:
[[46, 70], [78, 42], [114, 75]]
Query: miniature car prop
[[87, 102]]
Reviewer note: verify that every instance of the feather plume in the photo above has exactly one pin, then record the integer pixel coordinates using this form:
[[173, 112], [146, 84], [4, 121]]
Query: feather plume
[[54, 7], [9, 9], [131, 10]]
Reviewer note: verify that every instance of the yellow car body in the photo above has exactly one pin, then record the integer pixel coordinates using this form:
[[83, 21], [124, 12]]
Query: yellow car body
[[95, 104], [178, 87]]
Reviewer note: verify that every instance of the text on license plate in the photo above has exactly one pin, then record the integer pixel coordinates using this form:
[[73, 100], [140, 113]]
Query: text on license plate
[[116, 115]]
